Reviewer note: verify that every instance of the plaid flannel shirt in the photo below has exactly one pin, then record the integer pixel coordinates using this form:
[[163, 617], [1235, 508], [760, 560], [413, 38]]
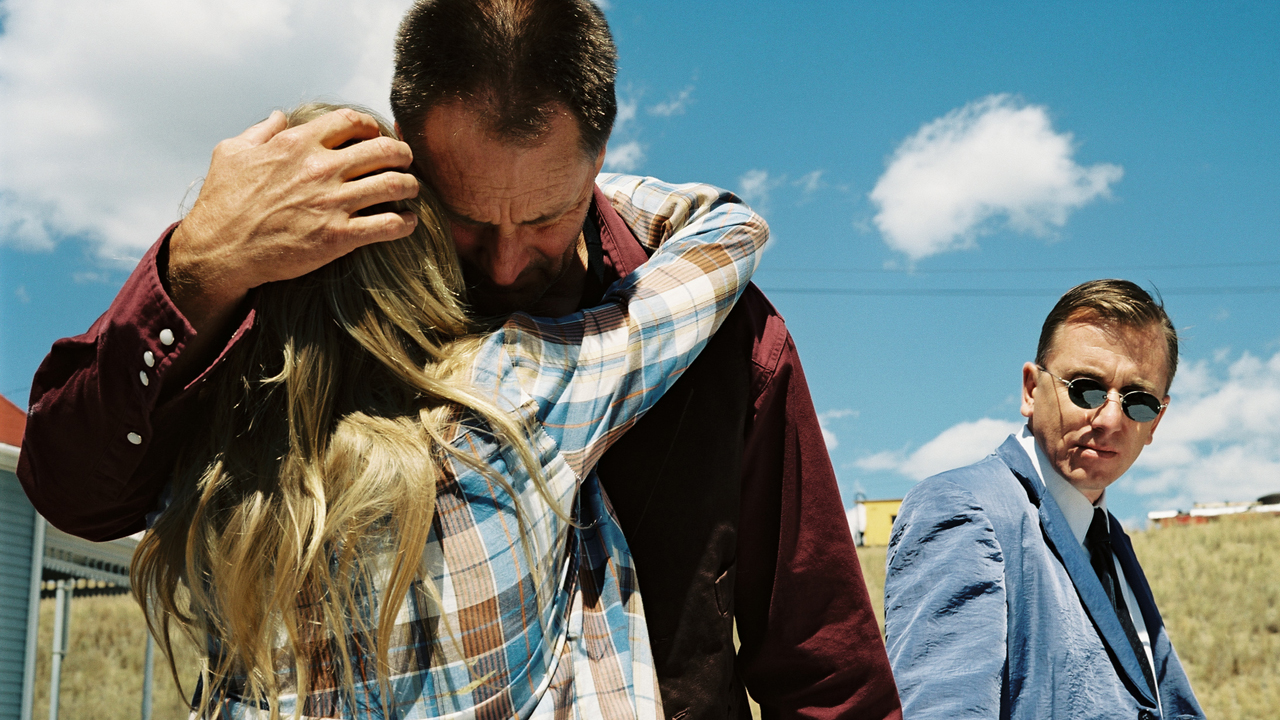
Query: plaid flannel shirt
[[535, 616]]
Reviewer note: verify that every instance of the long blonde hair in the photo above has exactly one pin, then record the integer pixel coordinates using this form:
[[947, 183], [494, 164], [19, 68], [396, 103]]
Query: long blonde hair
[[327, 428]]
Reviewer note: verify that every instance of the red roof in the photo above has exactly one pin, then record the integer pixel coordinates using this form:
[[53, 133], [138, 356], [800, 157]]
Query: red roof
[[12, 422]]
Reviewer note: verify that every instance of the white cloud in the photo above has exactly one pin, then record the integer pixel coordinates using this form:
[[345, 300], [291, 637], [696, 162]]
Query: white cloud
[[23, 226], [626, 150], [85, 278], [957, 446], [626, 114], [824, 423], [674, 105], [21, 293], [625, 153], [118, 105], [1220, 437], [810, 182], [755, 186], [626, 157], [993, 159], [829, 438]]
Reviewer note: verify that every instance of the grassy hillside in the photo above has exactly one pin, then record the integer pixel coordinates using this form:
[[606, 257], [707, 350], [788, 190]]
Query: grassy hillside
[[872, 559], [102, 673], [1218, 587]]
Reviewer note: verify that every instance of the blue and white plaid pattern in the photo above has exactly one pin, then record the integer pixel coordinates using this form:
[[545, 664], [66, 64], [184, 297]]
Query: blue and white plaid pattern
[[546, 620]]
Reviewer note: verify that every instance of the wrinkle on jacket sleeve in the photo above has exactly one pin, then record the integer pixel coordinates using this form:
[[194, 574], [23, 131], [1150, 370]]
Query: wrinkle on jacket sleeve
[[945, 609]]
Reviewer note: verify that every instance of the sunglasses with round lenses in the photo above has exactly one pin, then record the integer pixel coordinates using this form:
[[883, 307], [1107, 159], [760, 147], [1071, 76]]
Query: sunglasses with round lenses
[[1090, 394]]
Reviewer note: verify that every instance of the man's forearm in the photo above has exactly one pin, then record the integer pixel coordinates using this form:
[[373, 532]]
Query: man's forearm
[[100, 434], [111, 408]]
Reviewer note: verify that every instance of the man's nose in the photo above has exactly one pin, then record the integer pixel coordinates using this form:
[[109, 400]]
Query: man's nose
[[504, 255], [1111, 414]]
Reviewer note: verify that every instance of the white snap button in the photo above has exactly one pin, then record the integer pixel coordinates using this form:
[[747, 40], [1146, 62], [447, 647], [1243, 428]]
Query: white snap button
[[166, 337], [149, 358], [134, 438], [143, 377]]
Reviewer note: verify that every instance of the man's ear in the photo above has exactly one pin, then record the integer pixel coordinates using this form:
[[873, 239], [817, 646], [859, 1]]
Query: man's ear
[[399, 135], [1151, 431], [600, 159], [1030, 378]]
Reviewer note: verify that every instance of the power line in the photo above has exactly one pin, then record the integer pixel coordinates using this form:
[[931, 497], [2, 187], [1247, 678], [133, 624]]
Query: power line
[[979, 271], [1004, 292]]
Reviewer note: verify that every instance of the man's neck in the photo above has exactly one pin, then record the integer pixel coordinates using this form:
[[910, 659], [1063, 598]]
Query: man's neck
[[1076, 507]]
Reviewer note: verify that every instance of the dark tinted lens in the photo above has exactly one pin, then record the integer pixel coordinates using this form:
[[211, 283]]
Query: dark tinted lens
[[1086, 393], [1141, 406]]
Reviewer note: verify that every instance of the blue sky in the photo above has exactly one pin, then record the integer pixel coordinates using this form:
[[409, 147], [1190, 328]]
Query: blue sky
[[935, 175]]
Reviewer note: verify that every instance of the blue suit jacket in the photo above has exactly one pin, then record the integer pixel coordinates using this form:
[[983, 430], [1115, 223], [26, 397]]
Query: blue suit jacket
[[993, 610]]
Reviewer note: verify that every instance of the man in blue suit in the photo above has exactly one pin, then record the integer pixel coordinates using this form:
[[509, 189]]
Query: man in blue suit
[[1011, 592]]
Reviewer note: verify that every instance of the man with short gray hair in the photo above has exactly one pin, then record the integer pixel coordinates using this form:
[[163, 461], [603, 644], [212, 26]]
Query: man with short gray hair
[[1010, 590]]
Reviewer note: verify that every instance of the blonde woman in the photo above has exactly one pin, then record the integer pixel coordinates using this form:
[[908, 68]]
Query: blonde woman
[[392, 514]]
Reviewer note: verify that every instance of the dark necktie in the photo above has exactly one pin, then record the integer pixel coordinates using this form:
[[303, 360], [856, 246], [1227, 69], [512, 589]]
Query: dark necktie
[[1098, 540]]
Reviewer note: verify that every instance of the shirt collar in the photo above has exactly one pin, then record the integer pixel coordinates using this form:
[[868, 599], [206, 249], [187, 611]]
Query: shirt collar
[[613, 252], [1074, 505]]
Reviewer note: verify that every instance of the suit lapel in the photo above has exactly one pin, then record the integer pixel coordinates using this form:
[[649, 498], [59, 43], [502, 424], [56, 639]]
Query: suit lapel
[[1075, 559], [1015, 457], [1137, 581]]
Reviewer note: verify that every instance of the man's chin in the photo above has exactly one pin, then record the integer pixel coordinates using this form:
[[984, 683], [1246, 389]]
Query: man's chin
[[489, 302], [1094, 473]]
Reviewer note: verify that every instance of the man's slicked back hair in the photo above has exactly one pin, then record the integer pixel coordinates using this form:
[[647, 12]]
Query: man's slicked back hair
[[1117, 302], [514, 61]]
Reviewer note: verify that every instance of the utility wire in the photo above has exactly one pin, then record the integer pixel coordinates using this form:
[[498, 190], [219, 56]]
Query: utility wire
[[979, 271], [1004, 292]]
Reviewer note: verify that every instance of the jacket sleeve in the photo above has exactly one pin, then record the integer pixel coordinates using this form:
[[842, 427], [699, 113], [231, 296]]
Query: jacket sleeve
[[811, 646], [102, 430], [946, 620]]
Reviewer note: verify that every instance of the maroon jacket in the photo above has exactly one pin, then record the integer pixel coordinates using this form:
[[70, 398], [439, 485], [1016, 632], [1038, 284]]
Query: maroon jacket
[[734, 444], [731, 509]]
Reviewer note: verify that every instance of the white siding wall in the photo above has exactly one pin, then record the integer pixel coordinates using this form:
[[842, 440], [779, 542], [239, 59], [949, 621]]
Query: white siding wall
[[17, 519]]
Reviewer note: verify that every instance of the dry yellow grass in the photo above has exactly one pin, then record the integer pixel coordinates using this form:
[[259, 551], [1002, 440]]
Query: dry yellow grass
[[1218, 587], [102, 673], [872, 559]]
